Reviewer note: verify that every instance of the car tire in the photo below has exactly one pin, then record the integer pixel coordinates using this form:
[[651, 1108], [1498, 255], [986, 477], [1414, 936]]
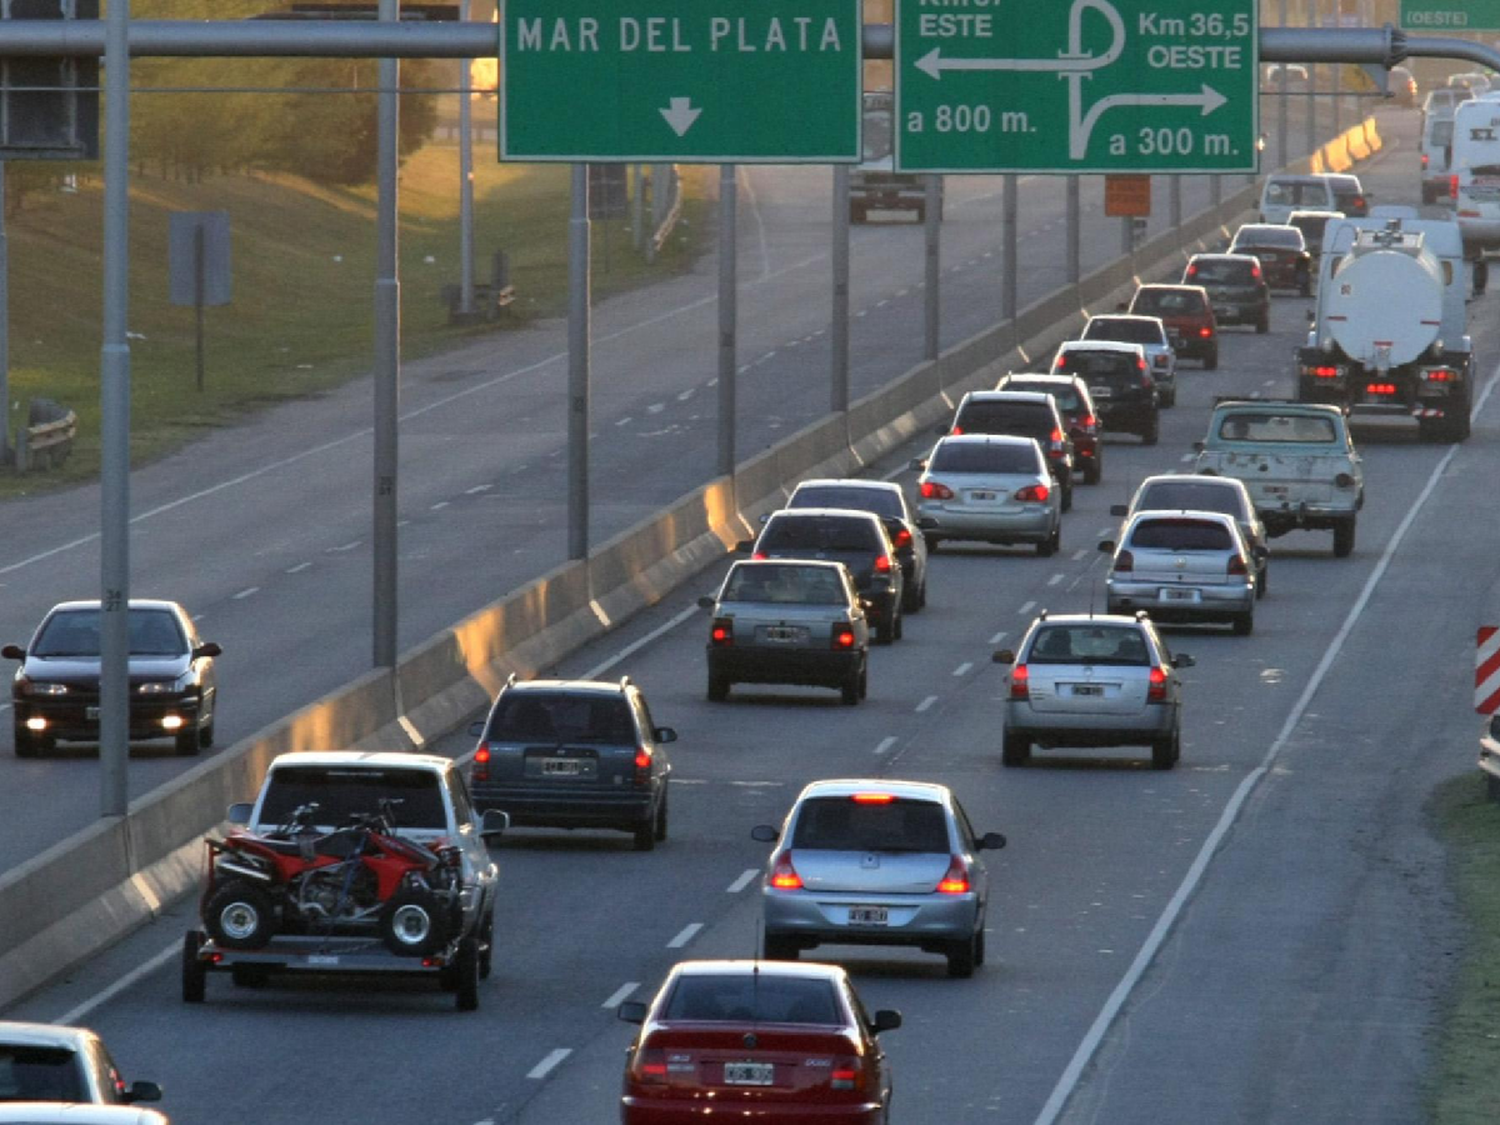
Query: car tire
[[1262, 581], [466, 975], [487, 945], [885, 632], [1067, 493], [186, 742], [1343, 538], [194, 971], [661, 818], [898, 629], [240, 915], [864, 681], [718, 687], [1304, 287], [643, 835], [911, 599], [1164, 752], [1152, 432], [774, 947], [24, 742], [1094, 470], [1052, 544], [1244, 624], [933, 542], [1211, 360], [1169, 400], [1263, 323], [1015, 750], [849, 690], [922, 593], [206, 735], [412, 924], [979, 945], [963, 957]]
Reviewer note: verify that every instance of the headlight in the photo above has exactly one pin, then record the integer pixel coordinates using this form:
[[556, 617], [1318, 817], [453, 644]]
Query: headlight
[[34, 688], [163, 687]]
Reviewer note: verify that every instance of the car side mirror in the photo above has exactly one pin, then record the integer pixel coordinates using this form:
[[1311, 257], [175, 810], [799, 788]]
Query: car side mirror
[[143, 1092], [744, 546], [991, 841], [1199, 446], [1183, 660], [13, 652], [1119, 510], [664, 734], [765, 834], [886, 1019], [707, 601], [239, 812], [1261, 552], [916, 464], [476, 728], [632, 1011], [927, 523], [1002, 656], [494, 822], [1107, 546], [208, 648]]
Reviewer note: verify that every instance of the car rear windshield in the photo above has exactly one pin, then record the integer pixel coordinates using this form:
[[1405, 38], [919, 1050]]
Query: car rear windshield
[[1210, 272], [881, 501], [1089, 644], [795, 585], [1126, 331], [75, 632], [984, 457], [1312, 227], [1298, 193], [818, 533], [1280, 238], [1100, 366], [753, 997], [844, 824], [1190, 495], [981, 416], [39, 1074], [1167, 302], [1064, 394], [342, 794], [1277, 427], [1181, 535], [522, 716]]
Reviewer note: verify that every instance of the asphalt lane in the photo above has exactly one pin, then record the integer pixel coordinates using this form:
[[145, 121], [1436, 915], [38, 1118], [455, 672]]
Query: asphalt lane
[[1306, 971]]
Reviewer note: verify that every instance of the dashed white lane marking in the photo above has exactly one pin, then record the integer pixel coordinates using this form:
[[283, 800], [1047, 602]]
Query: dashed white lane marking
[[714, 382], [1104, 531], [1055, 579], [1186, 457], [683, 396], [964, 668], [1026, 607], [689, 932], [902, 292], [1269, 383], [998, 637], [402, 523], [926, 703], [621, 994], [1079, 555], [440, 504], [299, 568], [656, 408], [862, 312], [639, 643], [247, 592], [6, 706], [345, 547], [882, 303], [886, 743], [477, 489], [894, 473], [625, 421], [745, 879], [767, 357], [547, 1065]]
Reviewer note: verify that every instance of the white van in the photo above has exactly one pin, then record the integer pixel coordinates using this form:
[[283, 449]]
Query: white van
[[1476, 164], [1285, 193], [1436, 149]]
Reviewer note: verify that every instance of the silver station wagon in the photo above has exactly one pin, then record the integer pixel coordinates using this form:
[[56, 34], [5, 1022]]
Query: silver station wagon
[[788, 621], [1183, 566], [1093, 680]]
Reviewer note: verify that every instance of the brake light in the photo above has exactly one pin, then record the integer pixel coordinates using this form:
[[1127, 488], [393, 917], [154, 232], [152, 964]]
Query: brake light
[[1140, 363], [1359, 201], [1057, 438], [1020, 680], [722, 631], [1325, 372], [903, 539], [482, 755], [760, 556], [651, 1066], [873, 798], [1236, 565], [1452, 187], [642, 758], [932, 490], [956, 881], [1425, 160], [956, 431], [1192, 271], [1156, 691], [1380, 388], [784, 876], [846, 1075], [1161, 360], [1205, 332], [1089, 423], [1440, 375], [1255, 272], [882, 564], [1033, 494], [1062, 359], [843, 635], [1124, 560]]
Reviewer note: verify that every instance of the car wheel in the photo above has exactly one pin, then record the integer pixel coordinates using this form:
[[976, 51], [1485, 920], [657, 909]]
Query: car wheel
[[979, 945], [206, 735], [885, 632], [412, 924], [718, 687], [1169, 399], [1050, 546], [1263, 323], [186, 742], [963, 957], [1244, 624], [864, 680], [1211, 360], [778, 948], [194, 971], [487, 945], [644, 835], [898, 629], [849, 691], [1304, 287], [661, 818], [25, 743], [239, 915], [466, 974], [1343, 538], [1067, 494], [1153, 431], [922, 594], [1164, 752], [911, 599], [933, 541], [1016, 750], [1094, 469], [1263, 581]]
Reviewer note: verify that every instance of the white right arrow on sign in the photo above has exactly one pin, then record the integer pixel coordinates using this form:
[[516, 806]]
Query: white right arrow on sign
[[681, 115], [1208, 99]]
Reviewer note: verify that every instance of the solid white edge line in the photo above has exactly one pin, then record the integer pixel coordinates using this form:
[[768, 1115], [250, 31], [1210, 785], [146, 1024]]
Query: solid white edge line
[[1154, 941], [74, 1015], [685, 935], [545, 1067], [745, 879], [621, 994], [639, 643]]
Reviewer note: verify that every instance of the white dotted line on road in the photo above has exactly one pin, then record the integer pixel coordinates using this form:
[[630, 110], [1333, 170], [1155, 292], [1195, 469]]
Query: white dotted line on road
[[926, 703], [1026, 607], [886, 743], [746, 877], [621, 994], [548, 1064], [998, 637], [964, 668], [298, 569], [247, 592], [687, 934]]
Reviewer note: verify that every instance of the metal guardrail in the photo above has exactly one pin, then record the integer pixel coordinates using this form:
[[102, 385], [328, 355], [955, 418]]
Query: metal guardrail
[[47, 438]]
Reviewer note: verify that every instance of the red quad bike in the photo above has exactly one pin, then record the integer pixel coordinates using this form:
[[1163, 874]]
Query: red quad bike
[[359, 879]]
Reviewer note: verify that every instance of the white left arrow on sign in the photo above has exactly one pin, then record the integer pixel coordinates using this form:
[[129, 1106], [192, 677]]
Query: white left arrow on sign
[[681, 115]]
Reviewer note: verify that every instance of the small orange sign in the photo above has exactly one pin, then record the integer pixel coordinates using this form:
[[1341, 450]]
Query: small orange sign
[[1127, 196]]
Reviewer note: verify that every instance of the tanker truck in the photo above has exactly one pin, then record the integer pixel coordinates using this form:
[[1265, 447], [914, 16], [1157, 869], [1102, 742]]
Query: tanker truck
[[1390, 332]]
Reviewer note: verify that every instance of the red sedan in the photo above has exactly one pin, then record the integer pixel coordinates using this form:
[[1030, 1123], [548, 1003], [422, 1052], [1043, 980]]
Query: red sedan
[[769, 1040]]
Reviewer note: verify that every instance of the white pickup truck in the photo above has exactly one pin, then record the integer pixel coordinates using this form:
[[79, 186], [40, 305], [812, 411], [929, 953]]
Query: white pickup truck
[[319, 793]]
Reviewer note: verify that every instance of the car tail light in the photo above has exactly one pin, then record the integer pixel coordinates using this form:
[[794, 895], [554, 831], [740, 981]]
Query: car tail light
[[1452, 187], [956, 431], [932, 490], [784, 876], [1156, 691], [846, 1074], [760, 556], [1140, 363], [1236, 565], [1380, 388], [1033, 494], [956, 881], [1255, 272], [482, 762], [1057, 439], [843, 635], [650, 1066], [1020, 680], [882, 564], [1425, 160], [722, 631], [873, 798], [642, 764], [1205, 332], [1089, 424], [1440, 375], [903, 539], [1161, 361], [1359, 201], [1124, 560], [1192, 271], [1325, 372]]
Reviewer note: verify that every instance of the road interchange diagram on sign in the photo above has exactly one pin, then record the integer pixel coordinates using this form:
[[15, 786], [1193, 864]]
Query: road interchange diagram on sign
[[1086, 86]]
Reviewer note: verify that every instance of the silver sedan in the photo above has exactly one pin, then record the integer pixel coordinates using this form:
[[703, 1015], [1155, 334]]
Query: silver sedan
[[991, 488]]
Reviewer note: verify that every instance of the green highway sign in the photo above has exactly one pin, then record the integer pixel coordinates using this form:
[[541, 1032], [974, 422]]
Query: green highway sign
[[1080, 86], [1456, 15], [696, 81]]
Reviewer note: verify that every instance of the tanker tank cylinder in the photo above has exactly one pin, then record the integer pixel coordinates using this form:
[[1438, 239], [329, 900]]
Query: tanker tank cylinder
[[1384, 306]]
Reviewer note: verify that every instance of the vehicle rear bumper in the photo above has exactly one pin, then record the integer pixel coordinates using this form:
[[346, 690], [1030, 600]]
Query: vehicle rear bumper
[[720, 1103], [819, 916], [1214, 602], [1076, 729], [571, 808], [1235, 310], [1030, 526], [1309, 517], [1132, 417], [818, 667]]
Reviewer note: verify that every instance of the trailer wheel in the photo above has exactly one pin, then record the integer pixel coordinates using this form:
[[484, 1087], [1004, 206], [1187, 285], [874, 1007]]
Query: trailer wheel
[[194, 972], [240, 915], [466, 976]]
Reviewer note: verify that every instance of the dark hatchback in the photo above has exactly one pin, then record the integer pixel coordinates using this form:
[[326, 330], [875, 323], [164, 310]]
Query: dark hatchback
[[1020, 414], [173, 688], [1281, 251], [1349, 196], [888, 501], [1236, 285], [1119, 381], [1188, 313], [574, 754], [856, 539], [1077, 408]]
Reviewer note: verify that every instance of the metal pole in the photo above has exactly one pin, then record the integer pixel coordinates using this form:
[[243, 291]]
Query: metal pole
[[1174, 200], [387, 360], [579, 344], [932, 322], [1312, 86], [4, 327], [114, 405], [1216, 189], [1075, 216], [1127, 236], [638, 209], [1281, 107], [727, 420], [465, 178], [1338, 94], [1008, 278], [198, 299], [838, 400]]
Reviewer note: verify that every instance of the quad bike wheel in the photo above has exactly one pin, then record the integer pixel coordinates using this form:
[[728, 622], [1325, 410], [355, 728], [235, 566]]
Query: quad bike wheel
[[240, 915], [412, 924]]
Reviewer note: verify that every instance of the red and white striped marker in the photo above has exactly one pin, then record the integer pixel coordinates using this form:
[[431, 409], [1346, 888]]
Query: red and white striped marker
[[1487, 670]]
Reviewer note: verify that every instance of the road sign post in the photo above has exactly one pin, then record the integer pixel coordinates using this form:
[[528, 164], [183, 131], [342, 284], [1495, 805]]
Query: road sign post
[[1086, 86], [681, 80]]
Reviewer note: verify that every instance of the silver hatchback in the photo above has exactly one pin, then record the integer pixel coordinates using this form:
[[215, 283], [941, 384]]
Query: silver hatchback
[[1183, 566], [1093, 680], [877, 862]]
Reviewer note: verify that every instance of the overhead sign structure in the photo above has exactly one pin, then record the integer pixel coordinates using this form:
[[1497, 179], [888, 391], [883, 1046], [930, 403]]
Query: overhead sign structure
[[1086, 86], [1454, 15], [695, 81]]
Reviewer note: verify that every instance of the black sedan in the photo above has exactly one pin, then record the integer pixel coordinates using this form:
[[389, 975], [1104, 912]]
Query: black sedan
[[173, 690], [1282, 251]]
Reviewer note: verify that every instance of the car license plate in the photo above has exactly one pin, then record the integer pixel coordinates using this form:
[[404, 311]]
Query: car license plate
[[1275, 489], [91, 714], [1088, 689], [982, 494], [868, 916], [322, 959], [783, 633], [1101, 392], [1176, 339], [561, 767], [1170, 595], [749, 1074]]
